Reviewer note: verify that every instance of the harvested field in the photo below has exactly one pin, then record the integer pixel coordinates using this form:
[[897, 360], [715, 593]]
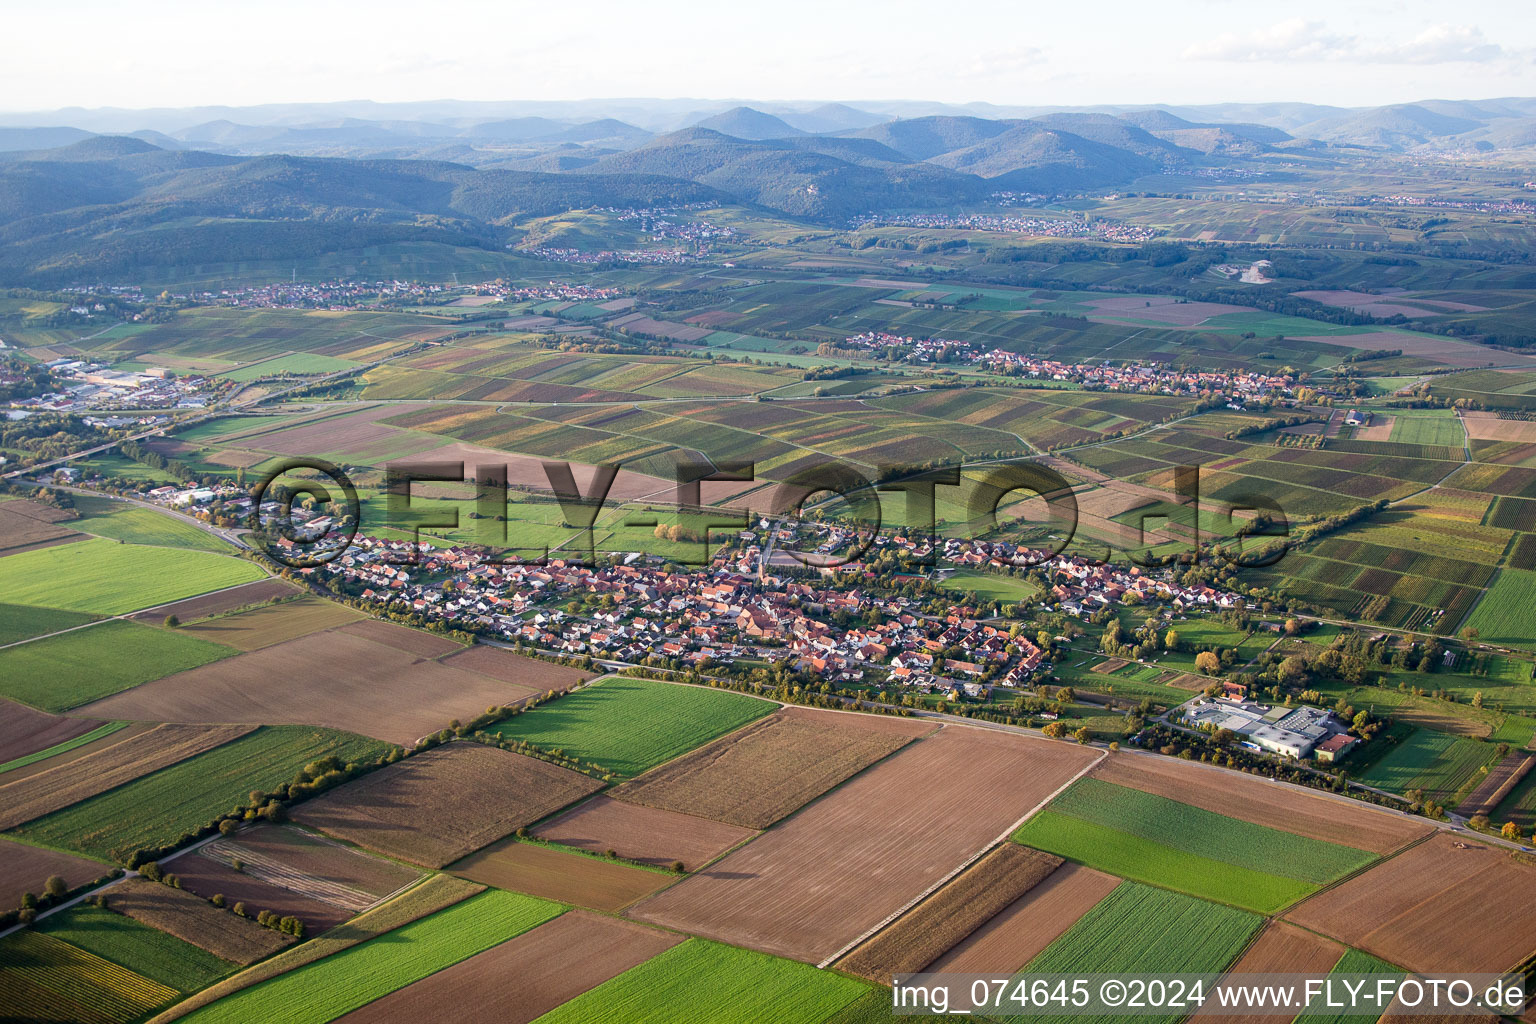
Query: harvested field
[[1263, 803], [930, 929], [648, 835], [25, 868], [1280, 949], [1434, 908], [207, 877], [82, 778], [243, 596], [25, 731], [773, 767], [193, 919], [19, 529], [1022, 930], [1162, 308], [1502, 778], [558, 875], [262, 627], [515, 670], [312, 865], [1109, 665], [402, 638], [1189, 681], [334, 679], [1486, 426], [525, 977], [892, 827], [439, 805]]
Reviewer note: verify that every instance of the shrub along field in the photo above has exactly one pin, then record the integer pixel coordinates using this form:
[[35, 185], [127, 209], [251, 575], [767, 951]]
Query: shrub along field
[[159, 808], [1154, 839], [701, 980], [629, 725]]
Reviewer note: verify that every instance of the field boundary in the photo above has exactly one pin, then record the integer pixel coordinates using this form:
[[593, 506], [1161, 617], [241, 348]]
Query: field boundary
[[936, 886]]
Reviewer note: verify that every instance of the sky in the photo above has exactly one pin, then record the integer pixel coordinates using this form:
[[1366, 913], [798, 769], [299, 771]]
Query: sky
[[178, 53]]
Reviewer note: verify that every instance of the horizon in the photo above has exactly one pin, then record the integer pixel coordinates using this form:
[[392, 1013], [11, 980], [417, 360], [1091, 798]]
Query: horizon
[[1313, 52]]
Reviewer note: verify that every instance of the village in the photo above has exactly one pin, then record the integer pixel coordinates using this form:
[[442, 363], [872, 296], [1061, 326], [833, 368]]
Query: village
[[1142, 378]]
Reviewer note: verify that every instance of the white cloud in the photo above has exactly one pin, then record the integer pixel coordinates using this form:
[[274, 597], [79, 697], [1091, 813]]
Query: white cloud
[[1297, 39], [1293, 39], [1440, 44]]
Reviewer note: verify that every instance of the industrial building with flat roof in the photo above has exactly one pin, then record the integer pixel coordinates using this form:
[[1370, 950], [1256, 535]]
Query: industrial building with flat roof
[[1293, 732]]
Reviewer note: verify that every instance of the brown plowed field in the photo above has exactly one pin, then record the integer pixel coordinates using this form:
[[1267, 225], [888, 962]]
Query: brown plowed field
[[25, 868], [205, 878], [195, 920], [435, 807], [773, 767], [24, 730], [648, 835], [974, 897], [1029, 924], [312, 864], [525, 471], [272, 624], [76, 780], [1434, 908], [1280, 949], [48, 764], [402, 638], [560, 876], [1486, 426], [243, 596], [526, 977], [19, 529], [822, 878], [333, 679], [1263, 802], [512, 668], [1504, 776]]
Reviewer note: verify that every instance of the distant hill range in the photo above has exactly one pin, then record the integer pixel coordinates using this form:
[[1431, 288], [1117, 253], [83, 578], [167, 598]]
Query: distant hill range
[[282, 181]]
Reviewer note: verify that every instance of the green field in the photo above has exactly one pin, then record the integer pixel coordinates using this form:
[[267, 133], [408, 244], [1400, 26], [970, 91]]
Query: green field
[[44, 979], [1138, 929], [61, 672], [706, 981], [138, 947], [630, 725], [1352, 962], [104, 577], [1428, 426], [299, 364], [340, 983], [1131, 856], [133, 525], [59, 748], [989, 586], [22, 622], [159, 808], [1506, 613], [1205, 833], [1438, 763]]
